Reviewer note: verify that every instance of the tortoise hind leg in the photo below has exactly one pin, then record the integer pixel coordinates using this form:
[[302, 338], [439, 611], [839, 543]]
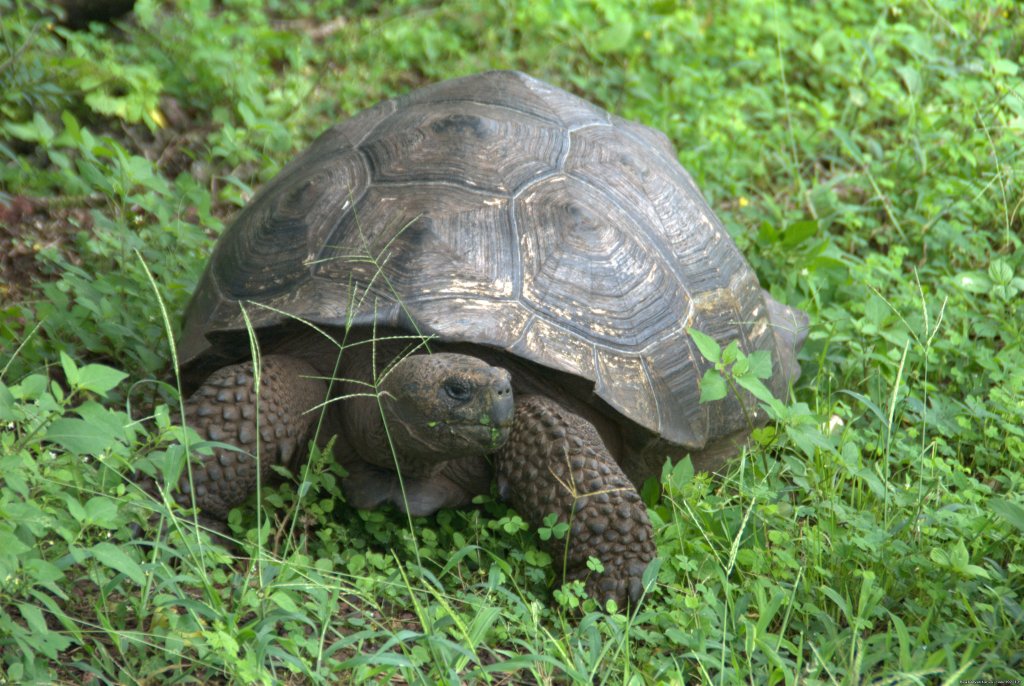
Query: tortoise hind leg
[[275, 425], [555, 462]]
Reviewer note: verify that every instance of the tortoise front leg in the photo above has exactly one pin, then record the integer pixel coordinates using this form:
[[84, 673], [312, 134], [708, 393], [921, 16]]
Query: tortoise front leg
[[225, 409], [555, 462]]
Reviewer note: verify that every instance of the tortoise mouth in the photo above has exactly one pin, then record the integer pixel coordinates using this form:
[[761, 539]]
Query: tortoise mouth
[[490, 430], [485, 434]]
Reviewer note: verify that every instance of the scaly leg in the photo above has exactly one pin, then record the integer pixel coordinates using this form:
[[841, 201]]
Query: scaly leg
[[224, 409], [556, 462]]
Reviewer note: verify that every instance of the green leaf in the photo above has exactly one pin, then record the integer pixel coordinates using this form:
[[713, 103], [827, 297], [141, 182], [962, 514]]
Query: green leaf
[[973, 282], [79, 436], [707, 345], [7, 405], [33, 617], [48, 642], [903, 638], [44, 573], [682, 474], [72, 132], [767, 233], [974, 570], [875, 409], [46, 133], [1005, 66], [1011, 512], [712, 387], [32, 387], [615, 37], [959, 557], [70, 370], [741, 366], [818, 51], [115, 423], [650, 575], [23, 132], [760, 362], [650, 492], [11, 544], [1000, 272], [757, 389], [99, 378], [798, 232], [732, 353], [356, 563], [111, 556], [101, 511], [75, 508], [911, 79], [284, 601], [224, 642]]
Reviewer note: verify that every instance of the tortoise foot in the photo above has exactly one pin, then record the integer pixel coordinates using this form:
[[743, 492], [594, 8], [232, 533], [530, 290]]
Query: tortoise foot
[[263, 430], [556, 462]]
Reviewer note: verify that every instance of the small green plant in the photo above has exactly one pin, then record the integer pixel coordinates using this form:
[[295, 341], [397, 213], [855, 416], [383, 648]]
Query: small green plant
[[734, 370]]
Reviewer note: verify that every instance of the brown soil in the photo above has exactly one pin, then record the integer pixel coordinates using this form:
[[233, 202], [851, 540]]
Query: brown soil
[[29, 225]]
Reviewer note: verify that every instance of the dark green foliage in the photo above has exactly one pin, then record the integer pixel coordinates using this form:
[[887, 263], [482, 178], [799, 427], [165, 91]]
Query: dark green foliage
[[866, 157]]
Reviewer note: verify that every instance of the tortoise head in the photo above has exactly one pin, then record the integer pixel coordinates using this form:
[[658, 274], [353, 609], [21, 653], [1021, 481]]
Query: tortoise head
[[445, 406]]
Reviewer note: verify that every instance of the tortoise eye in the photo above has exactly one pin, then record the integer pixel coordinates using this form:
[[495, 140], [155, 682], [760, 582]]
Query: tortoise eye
[[458, 389]]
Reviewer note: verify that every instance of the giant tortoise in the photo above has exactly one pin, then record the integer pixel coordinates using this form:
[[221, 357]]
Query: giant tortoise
[[486, 280]]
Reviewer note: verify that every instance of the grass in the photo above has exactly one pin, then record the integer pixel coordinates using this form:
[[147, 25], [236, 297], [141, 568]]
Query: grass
[[866, 157]]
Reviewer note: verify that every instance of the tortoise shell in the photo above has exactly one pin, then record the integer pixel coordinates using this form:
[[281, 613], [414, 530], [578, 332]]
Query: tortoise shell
[[501, 211]]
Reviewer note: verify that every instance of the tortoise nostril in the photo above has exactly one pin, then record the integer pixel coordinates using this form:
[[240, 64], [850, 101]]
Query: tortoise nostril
[[503, 384]]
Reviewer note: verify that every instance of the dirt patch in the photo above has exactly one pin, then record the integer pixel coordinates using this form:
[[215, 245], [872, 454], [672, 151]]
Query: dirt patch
[[28, 226]]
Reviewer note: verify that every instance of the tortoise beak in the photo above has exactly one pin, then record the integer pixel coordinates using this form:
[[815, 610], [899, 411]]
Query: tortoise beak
[[503, 411], [503, 407]]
